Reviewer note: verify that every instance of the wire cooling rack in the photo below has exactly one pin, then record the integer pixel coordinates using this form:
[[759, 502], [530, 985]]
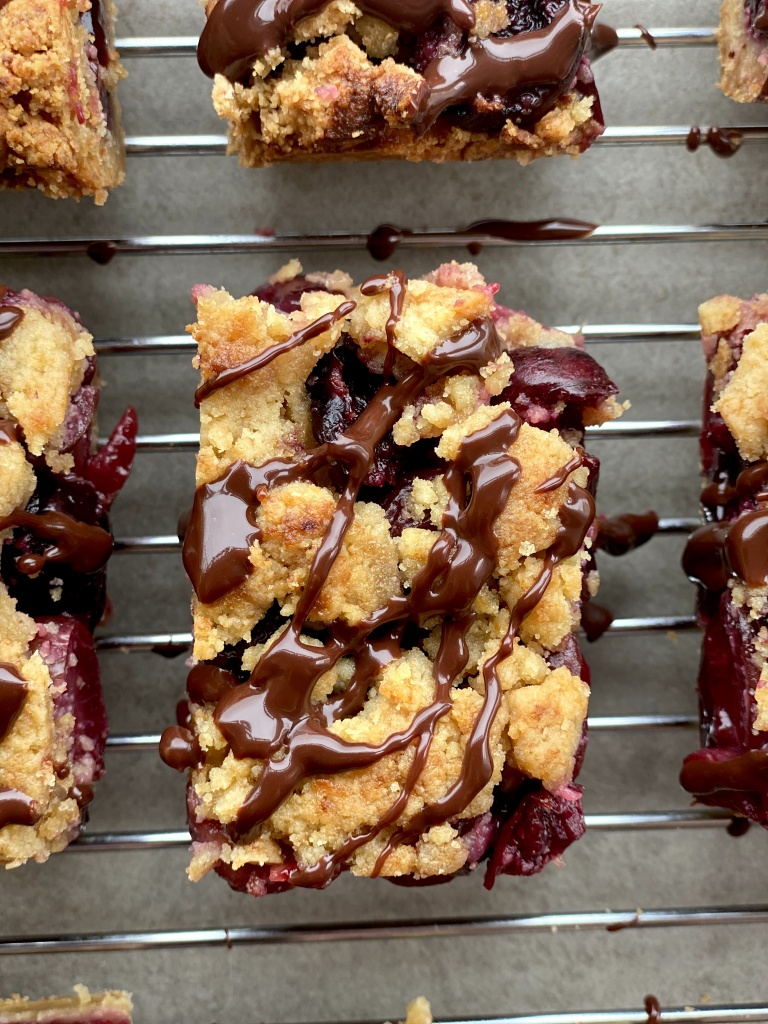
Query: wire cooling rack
[[528, 917]]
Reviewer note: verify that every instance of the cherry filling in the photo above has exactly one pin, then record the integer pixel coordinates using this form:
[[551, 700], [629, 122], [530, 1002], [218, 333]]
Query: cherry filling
[[97, 54], [728, 675], [757, 16]]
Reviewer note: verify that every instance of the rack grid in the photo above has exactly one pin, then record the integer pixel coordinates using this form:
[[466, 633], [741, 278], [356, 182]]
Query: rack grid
[[154, 545]]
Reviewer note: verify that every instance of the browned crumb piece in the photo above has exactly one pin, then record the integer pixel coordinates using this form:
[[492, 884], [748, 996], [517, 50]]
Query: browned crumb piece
[[743, 54], [84, 1007], [59, 119], [538, 383]]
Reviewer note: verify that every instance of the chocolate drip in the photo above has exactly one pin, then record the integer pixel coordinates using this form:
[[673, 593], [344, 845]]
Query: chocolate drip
[[239, 31], [86, 548], [179, 748], [760, 21], [10, 318], [718, 551], [556, 229], [272, 717], [622, 534], [547, 56], [722, 141], [13, 693], [603, 39], [753, 481], [395, 282], [384, 239], [646, 36], [595, 620], [651, 1003], [101, 252], [312, 330], [82, 794], [16, 808], [208, 683], [747, 772], [738, 826], [558, 479], [9, 432]]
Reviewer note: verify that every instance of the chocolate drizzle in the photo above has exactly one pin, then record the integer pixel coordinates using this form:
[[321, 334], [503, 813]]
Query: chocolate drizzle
[[234, 373], [179, 748], [86, 548], [13, 693], [652, 1009], [722, 141], [646, 36], [546, 56], [16, 808], [272, 717], [10, 318], [384, 239], [603, 39], [239, 31]]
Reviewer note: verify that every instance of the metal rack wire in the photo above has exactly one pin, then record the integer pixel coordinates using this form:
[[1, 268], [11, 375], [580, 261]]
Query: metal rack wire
[[151, 545]]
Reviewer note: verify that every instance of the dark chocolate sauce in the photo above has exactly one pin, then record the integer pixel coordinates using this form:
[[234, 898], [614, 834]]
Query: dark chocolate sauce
[[16, 808], [753, 481], [604, 38], [646, 36], [239, 31], [13, 693], [82, 794], [312, 330], [558, 479], [718, 551], [621, 534], [9, 432], [722, 141], [101, 252], [384, 239], [500, 65], [179, 748], [595, 620], [738, 826], [207, 683], [748, 772], [86, 548], [652, 1009], [272, 717], [10, 317], [395, 282]]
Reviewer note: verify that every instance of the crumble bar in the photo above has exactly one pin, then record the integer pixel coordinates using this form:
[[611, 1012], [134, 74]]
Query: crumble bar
[[55, 493], [743, 42], [83, 1007], [389, 546], [728, 558], [380, 79], [59, 119]]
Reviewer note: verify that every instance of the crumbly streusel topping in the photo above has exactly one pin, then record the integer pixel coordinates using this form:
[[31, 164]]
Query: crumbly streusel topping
[[83, 1003], [743, 56]]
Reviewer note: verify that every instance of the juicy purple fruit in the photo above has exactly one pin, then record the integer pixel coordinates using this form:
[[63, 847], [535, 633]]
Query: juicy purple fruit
[[545, 377], [540, 827], [286, 295], [66, 646]]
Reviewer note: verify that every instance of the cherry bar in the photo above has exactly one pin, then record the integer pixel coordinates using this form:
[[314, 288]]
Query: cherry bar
[[390, 544]]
